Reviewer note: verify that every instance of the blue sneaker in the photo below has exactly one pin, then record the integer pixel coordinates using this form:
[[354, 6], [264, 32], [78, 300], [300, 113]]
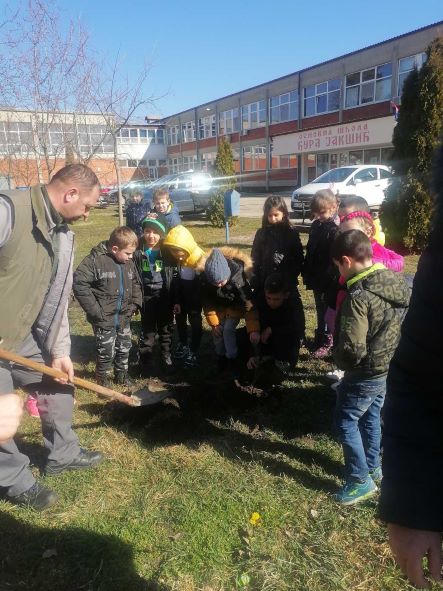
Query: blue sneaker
[[376, 475], [354, 492]]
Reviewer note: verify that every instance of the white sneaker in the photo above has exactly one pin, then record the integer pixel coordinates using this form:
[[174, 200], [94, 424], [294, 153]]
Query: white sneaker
[[335, 375]]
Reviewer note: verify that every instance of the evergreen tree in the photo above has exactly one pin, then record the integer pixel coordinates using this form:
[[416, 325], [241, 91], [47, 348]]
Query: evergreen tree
[[407, 210], [225, 179]]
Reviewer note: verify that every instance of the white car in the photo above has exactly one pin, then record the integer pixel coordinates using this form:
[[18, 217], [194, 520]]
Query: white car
[[369, 181]]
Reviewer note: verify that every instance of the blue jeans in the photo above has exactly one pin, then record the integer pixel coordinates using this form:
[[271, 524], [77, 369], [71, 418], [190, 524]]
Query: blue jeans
[[357, 420]]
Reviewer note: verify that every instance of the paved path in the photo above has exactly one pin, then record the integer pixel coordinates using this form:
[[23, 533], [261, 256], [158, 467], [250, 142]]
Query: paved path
[[251, 206]]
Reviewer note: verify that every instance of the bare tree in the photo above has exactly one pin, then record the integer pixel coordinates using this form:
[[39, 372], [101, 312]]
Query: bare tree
[[118, 98], [51, 70]]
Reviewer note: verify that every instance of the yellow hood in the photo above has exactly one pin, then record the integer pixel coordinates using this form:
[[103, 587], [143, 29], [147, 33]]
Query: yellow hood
[[180, 237]]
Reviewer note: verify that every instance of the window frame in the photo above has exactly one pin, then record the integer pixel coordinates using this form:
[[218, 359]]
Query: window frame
[[365, 80]]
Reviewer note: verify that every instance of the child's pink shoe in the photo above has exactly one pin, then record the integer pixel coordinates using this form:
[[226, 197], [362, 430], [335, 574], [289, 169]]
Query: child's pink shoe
[[31, 406]]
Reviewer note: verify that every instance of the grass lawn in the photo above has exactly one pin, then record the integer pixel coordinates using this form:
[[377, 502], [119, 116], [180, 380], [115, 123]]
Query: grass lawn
[[170, 507]]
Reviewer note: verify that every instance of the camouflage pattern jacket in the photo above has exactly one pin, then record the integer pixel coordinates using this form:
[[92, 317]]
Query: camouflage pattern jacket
[[368, 323]]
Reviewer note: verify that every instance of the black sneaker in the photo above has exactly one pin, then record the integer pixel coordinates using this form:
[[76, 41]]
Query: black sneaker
[[122, 379], [84, 460], [37, 497]]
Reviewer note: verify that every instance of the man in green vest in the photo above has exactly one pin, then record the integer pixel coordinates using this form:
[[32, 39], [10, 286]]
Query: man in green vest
[[36, 259]]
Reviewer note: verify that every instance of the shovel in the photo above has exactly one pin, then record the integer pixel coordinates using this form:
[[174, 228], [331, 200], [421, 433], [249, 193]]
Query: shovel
[[150, 394]]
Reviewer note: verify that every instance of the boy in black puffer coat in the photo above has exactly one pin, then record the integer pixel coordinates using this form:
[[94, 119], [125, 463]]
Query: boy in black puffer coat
[[106, 286], [158, 275]]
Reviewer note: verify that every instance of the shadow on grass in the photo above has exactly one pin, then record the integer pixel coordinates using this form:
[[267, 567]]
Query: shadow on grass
[[221, 416], [83, 348], [68, 559]]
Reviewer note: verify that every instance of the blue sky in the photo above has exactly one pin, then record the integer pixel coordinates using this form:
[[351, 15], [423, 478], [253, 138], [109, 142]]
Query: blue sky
[[200, 51]]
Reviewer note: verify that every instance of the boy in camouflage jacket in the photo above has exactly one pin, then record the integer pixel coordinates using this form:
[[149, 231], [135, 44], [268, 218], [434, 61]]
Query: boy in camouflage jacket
[[367, 333]]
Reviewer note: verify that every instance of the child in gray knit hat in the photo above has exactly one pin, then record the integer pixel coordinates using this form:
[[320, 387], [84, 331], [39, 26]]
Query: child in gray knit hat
[[227, 297]]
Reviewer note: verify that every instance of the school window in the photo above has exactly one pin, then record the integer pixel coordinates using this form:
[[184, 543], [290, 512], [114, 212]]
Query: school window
[[369, 86], [284, 107], [142, 163], [228, 121], [206, 127], [188, 131], [284, 161], [405, 67], [173, 165], [143, 135], [254, 158], [321, 98], [173, 135], [152, 162], [207, 160], [254, 115]]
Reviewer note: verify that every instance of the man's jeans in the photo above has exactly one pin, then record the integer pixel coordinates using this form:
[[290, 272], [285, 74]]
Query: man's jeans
[[357, 420]]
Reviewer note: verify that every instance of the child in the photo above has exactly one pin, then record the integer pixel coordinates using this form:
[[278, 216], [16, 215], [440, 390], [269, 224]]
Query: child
[[106, 286], [352, 203], [157, 275], [227, 297], [276, 246], [367, 333], [163, 206], [183, 247], [318, 272], [281, 323], [135, 213], [361, 220], [187, 254]]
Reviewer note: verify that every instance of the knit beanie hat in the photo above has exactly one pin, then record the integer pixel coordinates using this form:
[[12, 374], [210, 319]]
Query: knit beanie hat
[[156, 224], [216, 267]]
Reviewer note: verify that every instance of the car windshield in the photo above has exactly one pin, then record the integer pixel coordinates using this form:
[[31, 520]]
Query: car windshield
[[164, 180], [336, 175]]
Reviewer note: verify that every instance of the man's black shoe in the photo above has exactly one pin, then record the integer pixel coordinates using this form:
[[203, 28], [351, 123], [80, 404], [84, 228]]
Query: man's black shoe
[[37, 497], [84, 460]]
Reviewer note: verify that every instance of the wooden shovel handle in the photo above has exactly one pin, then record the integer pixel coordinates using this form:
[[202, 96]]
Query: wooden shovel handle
[[55, 373]]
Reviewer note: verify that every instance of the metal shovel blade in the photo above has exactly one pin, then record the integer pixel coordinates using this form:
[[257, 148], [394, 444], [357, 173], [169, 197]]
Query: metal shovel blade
[[151, 393]]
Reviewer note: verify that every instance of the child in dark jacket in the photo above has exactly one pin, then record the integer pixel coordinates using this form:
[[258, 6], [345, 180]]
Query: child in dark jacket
[[163, 206], [367, 333], [281, 323], [157, 274], [276, 246], [135, 213], [318, 272], [106, 286], [227, 297]]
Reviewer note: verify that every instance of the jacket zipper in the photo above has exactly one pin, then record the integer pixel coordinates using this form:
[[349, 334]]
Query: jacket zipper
[[120, 297]]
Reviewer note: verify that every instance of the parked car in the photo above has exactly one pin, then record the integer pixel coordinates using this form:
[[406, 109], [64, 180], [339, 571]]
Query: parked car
[[190, 191], [128, 189], [369, 181]]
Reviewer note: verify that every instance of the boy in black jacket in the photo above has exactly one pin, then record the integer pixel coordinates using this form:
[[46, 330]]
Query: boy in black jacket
[[106, 286], [282, 323], [158, 276]]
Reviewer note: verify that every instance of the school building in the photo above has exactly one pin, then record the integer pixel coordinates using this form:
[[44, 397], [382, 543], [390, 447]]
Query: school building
[[287, 131]]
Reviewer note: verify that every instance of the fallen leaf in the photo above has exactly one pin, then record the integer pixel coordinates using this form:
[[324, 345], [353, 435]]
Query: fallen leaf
[[175, 537], [49, 553], [314, 513]]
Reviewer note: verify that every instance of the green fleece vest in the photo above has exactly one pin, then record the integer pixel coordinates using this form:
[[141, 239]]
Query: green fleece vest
[[25, 267]]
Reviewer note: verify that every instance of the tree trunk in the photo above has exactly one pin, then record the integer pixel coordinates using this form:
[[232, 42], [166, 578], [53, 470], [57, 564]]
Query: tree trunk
[[117, 172]]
